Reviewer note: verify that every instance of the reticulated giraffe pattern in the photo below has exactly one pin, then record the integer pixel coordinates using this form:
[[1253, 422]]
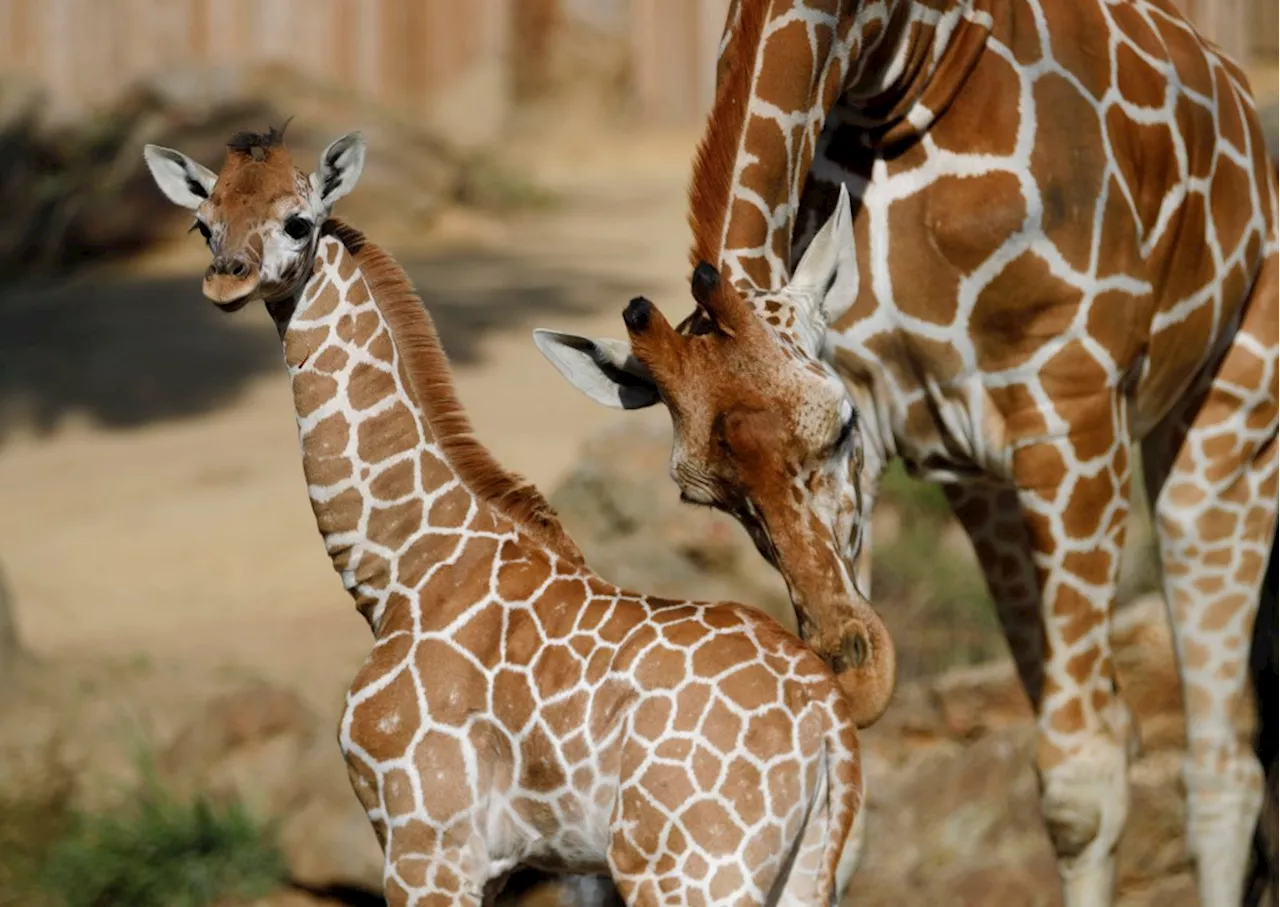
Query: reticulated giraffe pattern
[[1063, 245], [517, 709]]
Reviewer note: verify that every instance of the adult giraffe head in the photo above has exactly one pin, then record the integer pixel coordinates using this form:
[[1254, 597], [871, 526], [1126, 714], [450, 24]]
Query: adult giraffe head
[[260, 215], [763, 428]]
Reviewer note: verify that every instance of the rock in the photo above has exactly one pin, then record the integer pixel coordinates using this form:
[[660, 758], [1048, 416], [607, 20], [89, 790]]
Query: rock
[[263, 746], [953, 799], [623, 510], [247, 744], [329, 843]]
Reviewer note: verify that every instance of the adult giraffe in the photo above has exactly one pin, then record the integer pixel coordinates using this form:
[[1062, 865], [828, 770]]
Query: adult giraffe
[[1061, 242]]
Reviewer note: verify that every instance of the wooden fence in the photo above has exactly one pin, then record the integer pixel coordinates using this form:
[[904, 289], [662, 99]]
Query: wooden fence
[[450, 62], [1245, 29], [442, 60]]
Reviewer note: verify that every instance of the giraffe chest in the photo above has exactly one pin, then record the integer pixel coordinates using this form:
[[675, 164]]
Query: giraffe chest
[[953, 310]]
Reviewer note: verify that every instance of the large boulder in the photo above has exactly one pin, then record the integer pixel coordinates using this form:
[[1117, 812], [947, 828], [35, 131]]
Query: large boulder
[[263, 746], [624, 512]]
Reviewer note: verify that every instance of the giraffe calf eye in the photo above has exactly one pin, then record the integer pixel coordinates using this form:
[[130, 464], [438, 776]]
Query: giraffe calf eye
[[297, 227], [204, 231]]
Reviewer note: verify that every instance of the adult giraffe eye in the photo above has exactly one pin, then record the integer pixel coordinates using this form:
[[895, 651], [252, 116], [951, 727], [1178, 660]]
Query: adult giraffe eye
[[846, 431], [297, 227]]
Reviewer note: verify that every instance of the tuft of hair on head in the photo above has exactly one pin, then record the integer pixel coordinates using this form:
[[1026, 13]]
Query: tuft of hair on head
[[257, 144]]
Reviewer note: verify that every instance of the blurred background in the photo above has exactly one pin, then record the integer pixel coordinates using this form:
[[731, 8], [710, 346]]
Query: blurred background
[[174, 645]]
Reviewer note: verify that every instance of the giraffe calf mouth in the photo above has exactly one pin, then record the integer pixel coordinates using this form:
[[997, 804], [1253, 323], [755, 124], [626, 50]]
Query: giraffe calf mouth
[[234, 305]]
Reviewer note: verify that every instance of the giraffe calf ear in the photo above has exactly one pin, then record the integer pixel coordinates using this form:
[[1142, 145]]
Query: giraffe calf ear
[[340, 167], [182, 180]]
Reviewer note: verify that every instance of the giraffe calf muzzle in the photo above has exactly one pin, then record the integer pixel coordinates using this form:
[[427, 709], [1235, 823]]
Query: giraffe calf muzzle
[[230, 282]]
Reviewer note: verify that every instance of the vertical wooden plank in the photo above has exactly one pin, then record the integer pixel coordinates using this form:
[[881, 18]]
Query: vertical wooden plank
[[55, 21], [21, 47], [197, 49], [711, 28], [343, 40], [391, 28], [1266, 29], [421, 61], [368, 70], [10, 11]]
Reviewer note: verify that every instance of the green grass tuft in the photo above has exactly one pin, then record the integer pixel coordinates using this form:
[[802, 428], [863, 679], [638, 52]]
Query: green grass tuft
[[155, 850], [163, 852]]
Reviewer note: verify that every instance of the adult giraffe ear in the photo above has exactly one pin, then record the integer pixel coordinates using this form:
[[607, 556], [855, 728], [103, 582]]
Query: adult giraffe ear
[[827, 275], [604, 370], [182, 180], [340, 167]]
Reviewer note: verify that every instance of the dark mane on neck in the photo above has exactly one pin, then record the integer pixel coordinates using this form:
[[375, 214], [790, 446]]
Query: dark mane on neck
[[432, 384], [712, 180]]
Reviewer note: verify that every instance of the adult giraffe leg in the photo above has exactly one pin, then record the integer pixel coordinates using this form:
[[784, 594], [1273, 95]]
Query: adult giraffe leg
[[1073, 493], [1211, 471], [992, 517]]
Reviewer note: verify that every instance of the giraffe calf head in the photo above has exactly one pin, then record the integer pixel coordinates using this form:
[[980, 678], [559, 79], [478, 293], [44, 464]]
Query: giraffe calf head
[[762, 430], [260, 215]]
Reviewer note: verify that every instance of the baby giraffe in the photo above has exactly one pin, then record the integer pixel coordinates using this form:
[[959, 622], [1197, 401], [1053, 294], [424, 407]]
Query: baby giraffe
[[517, 709]]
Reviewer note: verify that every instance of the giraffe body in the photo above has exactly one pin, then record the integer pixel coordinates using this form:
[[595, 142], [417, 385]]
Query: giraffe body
[[516, 709], [1062, 245]]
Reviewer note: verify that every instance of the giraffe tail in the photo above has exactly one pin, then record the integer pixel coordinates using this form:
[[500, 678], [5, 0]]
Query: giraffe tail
[[1264, 665], [828, 836], [845, 819]]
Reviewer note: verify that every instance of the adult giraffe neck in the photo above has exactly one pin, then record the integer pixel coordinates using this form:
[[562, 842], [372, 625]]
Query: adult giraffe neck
[[888, 67], [396, 479]]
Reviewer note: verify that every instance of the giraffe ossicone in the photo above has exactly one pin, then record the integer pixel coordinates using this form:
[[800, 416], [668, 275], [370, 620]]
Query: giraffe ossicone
[[516, 708], [1064, 232]]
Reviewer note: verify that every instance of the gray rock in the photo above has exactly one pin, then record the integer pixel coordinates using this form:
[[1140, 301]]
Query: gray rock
[[263, 746]]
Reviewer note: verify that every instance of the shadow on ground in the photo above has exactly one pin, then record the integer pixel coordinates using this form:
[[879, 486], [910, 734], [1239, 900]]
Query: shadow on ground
[[125, 352]]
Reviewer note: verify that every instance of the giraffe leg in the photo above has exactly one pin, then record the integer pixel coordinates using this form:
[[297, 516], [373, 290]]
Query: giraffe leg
[[422, 871], [1083, 829], [1211, 471], [992, 517], [1073, 495]]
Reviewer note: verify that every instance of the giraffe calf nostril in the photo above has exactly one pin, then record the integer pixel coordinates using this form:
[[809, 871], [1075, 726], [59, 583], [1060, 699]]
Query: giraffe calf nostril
[[239, 269]]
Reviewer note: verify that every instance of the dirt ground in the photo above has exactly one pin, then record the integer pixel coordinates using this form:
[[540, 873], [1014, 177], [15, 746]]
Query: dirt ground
[[154, 527]]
